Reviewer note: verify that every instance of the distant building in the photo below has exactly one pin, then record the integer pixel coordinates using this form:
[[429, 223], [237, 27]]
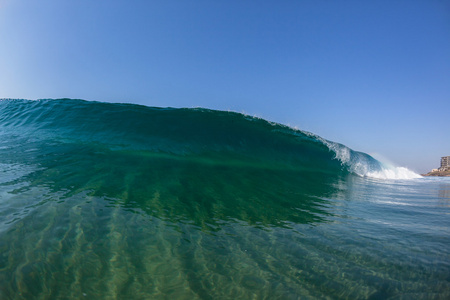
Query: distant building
[[445, 163]]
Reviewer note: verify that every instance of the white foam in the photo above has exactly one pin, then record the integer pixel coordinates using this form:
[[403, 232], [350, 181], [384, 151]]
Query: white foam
[[393, 173], [365, 165]]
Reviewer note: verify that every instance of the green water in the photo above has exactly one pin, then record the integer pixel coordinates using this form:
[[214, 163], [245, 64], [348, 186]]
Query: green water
[[197, 204]]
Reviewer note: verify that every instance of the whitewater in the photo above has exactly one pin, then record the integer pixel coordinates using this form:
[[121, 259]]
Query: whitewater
[[122, 201]]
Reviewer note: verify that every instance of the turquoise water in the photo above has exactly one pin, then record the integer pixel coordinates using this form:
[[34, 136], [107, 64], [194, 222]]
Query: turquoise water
[[119, 201]]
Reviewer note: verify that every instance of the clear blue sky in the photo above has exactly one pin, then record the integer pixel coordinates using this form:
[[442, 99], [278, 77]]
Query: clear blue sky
[[373, 75]]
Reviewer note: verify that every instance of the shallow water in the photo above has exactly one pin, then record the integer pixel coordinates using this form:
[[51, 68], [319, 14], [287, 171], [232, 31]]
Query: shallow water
[[86, 216]]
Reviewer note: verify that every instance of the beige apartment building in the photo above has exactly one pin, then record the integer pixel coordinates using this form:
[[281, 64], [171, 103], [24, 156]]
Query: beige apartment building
[[445, 163]]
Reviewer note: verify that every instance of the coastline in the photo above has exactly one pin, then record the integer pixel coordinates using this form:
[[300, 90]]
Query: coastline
[[438, 173]]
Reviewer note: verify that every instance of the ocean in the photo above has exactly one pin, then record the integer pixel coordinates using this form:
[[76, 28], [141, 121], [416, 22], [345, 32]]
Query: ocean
[[121, 201]]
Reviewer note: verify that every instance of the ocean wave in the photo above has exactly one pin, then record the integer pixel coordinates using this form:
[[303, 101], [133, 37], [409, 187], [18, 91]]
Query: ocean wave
[[215, 136]]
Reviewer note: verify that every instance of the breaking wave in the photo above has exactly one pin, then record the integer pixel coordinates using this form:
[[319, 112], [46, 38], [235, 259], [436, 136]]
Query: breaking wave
[[202, 135]]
